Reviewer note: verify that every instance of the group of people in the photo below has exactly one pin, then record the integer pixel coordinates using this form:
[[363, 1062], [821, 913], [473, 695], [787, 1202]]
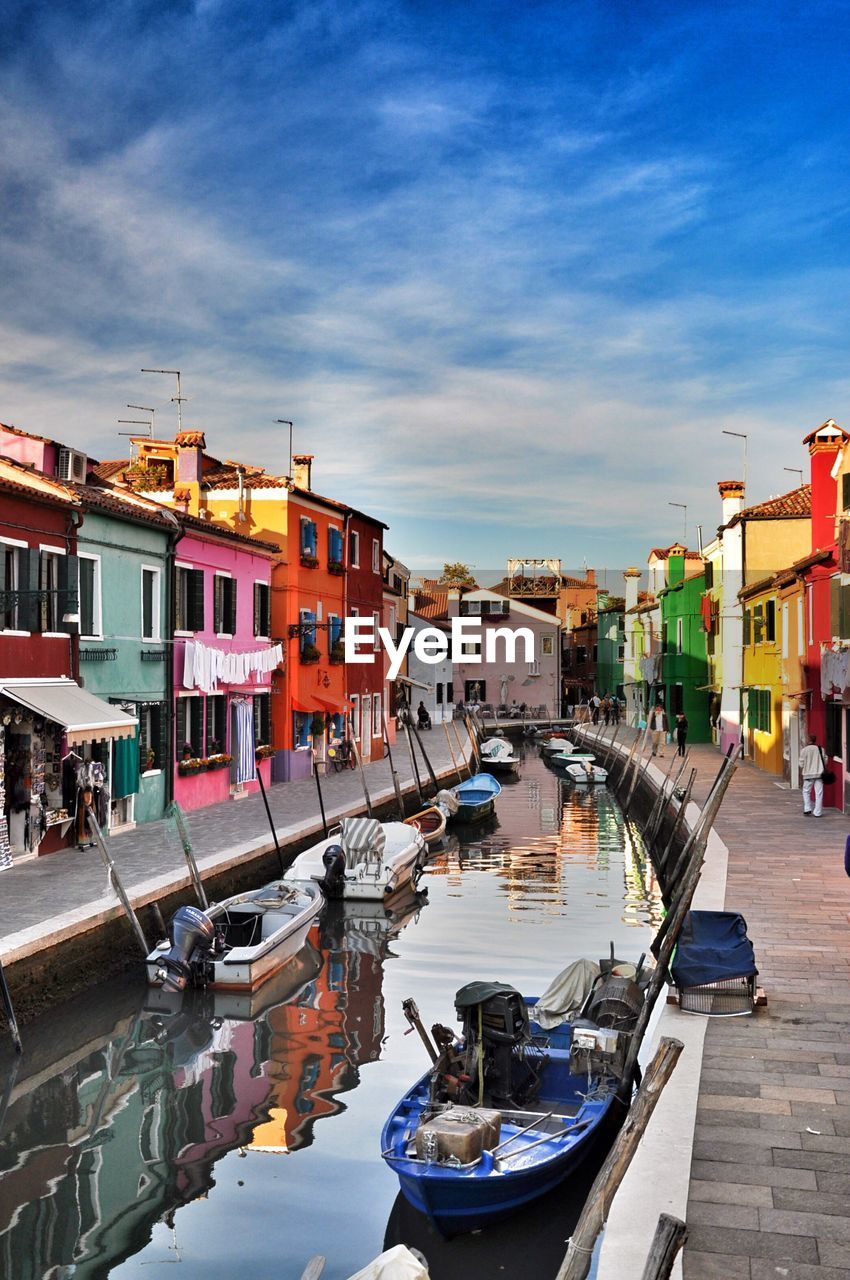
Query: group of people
[[606, 708], [659, 727]]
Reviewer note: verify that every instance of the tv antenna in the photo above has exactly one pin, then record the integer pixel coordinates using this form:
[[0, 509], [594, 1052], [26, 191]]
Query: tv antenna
[[178, 399], [138, 422], [284, 422]]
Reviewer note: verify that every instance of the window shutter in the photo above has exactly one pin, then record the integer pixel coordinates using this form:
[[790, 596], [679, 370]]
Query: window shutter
[[747, 626], [196, 600], [69, 594], [218, 591], [258, 631], [230, 597], [28, 613], [180, 721]]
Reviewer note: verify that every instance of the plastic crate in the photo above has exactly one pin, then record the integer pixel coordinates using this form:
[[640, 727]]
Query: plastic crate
[[732, 997]]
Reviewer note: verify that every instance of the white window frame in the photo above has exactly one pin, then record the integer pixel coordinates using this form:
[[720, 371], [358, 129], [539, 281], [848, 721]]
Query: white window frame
[[801, 633], [354, 544], [14, 542], [376, 716], [550, 641], [784, 624], [470, 648], [354, 715], [534, 667], [156, 612], [376, 622], [376, 555], [98, 597], [222, 573], [264, 582], [393, 620], [54, 551], [178, 565]]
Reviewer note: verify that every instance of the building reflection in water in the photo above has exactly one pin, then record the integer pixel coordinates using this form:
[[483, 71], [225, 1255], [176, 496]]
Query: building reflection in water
[[93, 1155]]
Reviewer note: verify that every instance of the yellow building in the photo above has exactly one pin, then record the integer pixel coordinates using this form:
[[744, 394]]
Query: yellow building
[[762, 691]]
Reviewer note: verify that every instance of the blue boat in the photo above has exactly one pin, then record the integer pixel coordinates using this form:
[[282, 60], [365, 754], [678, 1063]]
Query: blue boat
[[549, 1108], [476, 797]]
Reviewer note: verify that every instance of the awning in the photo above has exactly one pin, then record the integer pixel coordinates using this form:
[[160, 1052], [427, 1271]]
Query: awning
[[708, 688], [417, 684], [299, 706], [83, 716], [336, 708]]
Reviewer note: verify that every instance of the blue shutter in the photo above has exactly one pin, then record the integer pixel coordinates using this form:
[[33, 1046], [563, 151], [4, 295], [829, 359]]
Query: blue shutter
[[335, 630]]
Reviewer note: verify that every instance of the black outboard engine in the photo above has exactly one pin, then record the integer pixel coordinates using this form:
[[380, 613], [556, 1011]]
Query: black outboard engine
[[333, 860], [496, 1033], [190, 931]]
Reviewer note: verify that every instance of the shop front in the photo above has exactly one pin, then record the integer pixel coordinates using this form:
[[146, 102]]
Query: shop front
[[61, 749]]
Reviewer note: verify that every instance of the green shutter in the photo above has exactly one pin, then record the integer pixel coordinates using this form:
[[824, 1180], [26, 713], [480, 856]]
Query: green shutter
[[180, 730], [69, 593], [218, 592], [230, 597], [196, 600], [258, 610], [835, 606], [747, 626], [28, 580]]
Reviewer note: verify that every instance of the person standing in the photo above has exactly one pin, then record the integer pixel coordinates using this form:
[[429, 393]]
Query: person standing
[[658, 728], [812, 765], [595, 704], [681, 732]]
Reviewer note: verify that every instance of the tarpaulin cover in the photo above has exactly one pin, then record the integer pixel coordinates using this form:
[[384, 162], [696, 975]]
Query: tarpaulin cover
[[713, 946]]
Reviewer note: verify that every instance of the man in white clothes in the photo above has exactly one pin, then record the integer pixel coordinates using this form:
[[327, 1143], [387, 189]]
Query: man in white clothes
[[658, 728], [812, 765]]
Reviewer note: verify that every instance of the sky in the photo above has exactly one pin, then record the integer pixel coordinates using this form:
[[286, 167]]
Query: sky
[[510, 268]]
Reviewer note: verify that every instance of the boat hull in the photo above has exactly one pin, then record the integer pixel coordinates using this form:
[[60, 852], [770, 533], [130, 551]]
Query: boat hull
[[475, 812]]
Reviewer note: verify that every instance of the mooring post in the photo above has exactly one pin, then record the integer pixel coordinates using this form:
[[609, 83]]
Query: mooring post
[[399, 799], [359, 763], [664, 799], [576, 1264], [116, 880], [416, 780], [460, 747], [9, 1010], [428, 765], [179, 818], [659, 800], [670, 1236], [319, 794], [661, 865], [269, 814], [451, 751]]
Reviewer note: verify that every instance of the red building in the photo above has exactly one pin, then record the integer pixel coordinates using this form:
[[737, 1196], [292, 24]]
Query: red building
[[365, 599]]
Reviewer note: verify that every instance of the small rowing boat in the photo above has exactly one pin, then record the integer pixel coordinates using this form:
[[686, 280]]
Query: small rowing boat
[[586, 772], [476, 797], [431, 821], [498, 754]]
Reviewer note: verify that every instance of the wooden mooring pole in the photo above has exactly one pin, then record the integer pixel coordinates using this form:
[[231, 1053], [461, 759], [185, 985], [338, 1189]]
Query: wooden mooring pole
[[670, 1236], [416, 782], [428, 764], [116, 880], [661, 863], [359, 763], [399, 798], [576, 1264], [9, 1010], [452, 751], [179, 818]]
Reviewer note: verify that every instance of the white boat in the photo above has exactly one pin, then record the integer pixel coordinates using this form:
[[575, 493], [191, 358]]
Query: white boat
[[587, 772], [364, 859], [237, 944], [575, 757], [558, 745], [498, 754]]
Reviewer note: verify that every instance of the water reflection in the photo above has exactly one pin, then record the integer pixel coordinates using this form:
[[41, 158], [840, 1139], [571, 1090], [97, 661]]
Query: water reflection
[[134, 1103]]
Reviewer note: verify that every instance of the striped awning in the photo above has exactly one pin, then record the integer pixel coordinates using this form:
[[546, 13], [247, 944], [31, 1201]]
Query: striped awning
[[84, 717]]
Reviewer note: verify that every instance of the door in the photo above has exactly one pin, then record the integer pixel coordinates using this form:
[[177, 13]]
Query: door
[[366, 726]]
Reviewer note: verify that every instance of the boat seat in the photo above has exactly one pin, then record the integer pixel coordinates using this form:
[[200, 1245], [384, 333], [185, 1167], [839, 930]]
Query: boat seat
[[362, 840]]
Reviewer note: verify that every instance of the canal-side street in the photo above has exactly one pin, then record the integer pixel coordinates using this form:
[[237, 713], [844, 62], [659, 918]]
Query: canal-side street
[[45, 900]]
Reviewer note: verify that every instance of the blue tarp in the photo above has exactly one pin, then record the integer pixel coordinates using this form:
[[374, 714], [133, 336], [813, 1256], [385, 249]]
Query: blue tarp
[[713, 946]]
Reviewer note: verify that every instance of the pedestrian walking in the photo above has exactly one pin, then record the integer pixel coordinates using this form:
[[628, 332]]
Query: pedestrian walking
[[658, 728], [681, 732], [812, 767], [615, 710], [606, 709], [595, 704]]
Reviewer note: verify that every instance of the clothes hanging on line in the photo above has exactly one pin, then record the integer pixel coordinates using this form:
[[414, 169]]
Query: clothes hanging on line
[[204, 666]]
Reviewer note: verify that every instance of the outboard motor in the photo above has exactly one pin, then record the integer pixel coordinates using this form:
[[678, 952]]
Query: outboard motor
[[333, 860], [500, 1050], [190, 930]]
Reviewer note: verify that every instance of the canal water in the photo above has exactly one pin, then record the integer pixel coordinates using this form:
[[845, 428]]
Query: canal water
[[234, 1137]]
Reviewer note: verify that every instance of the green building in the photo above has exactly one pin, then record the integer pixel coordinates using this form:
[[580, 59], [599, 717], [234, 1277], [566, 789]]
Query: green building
[[124, 544], [684, 661], [610, 646]]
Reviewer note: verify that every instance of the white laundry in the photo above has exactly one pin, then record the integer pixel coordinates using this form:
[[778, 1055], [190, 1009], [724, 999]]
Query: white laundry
[[204, 667]]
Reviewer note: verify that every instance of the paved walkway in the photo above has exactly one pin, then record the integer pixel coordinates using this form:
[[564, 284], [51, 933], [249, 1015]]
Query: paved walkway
[[45, 900]]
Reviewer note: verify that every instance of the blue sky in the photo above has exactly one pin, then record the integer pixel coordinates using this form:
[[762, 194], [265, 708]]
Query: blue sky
[[510, 268]]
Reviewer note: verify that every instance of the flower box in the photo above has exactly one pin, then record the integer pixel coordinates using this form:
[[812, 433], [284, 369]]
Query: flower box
[[337, 654], [189, 767], [336, 566], [310, 653], [264, 752], [221, 761], [309, 561]]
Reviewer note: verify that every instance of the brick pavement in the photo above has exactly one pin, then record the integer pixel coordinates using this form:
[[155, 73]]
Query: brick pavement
[[57, 896]]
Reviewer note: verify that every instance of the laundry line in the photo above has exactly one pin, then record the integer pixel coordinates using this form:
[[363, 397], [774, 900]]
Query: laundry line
[[204, 666]]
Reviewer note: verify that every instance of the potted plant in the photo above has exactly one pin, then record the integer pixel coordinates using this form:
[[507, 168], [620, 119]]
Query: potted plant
[[187, 752], [310, 653], [317, 726], [337, 653], [264, 751], [336, 566], [309, 561], [148, 759], [190, 766], [218, 761]]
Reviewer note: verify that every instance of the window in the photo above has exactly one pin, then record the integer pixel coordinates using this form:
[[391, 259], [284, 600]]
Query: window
[[581, 655], [90, 608], [439, 694], [596, 653], [547, 646], [48, 585], [335, 546], [377, 728], [309, 539], [801, 635], [151, 736], [495, 608], [262, 610], [759, 710], [150, 603], [534, 667], [475, 690], [680, 632], [354, 714], [709, 574], [770, 621], [758, 624], [376, 556], [470, 608], [568, 659], [748, 626], [334, 631], [224, 605], [677, 699], [189, 599], [189, 724], [262, 719], [216, 741], [308, 633], [450, 692], [832, 742], [621, 652], [354, 549], [376, 622], [471, 648], [301, 729]]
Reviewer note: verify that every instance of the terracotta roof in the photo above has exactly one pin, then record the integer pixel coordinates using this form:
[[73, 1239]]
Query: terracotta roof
[[209, 529], [662, 553], [433, 606], [24, 478], [124, 504], [106, 470], [795, 504]]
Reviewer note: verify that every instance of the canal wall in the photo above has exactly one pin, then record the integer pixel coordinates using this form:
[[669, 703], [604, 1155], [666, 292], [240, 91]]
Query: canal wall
[[658, 1179], [83, 937]]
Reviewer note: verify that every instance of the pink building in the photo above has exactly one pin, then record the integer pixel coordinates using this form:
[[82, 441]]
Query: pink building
[[224, 657], [530, 682]]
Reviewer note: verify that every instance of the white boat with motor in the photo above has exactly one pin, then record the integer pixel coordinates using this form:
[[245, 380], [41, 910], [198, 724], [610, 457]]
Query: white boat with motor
[[562, 761], [497, 755], [364, 859], [558, 744], [586, 772], [237, 944]]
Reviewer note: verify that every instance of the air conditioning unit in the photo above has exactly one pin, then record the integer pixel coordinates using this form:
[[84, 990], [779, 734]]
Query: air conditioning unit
[[72, 466]]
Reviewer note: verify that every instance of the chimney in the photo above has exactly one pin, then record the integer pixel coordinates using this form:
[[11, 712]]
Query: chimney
[[732, 495], [190, 453], [590, 577], [632, 576], [302, 470], [824, 445], [675, 564]]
